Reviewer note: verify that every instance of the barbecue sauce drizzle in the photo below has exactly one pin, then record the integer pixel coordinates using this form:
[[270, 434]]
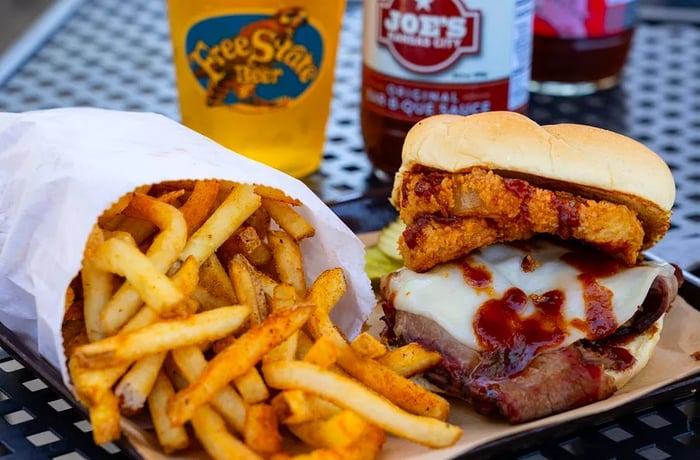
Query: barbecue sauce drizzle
[[512, 341]]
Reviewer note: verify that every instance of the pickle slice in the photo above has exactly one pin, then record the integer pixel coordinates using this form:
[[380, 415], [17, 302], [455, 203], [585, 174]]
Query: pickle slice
[[378, 264], [388, 240]]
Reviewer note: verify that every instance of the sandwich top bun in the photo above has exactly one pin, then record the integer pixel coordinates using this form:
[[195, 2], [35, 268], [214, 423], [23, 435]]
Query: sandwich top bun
[[587, 161]]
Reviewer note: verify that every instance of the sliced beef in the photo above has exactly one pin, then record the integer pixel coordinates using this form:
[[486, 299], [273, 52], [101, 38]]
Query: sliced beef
[[552, 382]]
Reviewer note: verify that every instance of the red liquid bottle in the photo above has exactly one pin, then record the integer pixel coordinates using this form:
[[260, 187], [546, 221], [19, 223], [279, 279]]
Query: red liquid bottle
[[581, 46]]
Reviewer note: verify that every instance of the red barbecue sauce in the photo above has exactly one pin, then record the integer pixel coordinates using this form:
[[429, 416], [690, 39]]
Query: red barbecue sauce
[[498, 324]]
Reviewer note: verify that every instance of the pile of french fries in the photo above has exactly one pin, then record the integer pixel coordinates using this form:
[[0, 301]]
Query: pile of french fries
[[192, 305]]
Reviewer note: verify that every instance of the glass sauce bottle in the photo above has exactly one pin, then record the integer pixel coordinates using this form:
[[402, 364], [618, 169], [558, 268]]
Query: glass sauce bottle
[[426, 57]]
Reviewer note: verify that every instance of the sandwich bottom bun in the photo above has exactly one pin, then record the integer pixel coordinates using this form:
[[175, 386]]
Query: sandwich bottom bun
[[642, 348]]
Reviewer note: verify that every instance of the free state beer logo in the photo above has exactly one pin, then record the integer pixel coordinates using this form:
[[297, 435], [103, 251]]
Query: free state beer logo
[[428, 36], [255, 60]]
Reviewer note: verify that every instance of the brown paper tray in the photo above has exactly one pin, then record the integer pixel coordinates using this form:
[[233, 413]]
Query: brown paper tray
[[690, 290]]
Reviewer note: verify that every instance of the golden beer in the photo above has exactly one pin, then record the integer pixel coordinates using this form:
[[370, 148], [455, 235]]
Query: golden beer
[[257, 75]]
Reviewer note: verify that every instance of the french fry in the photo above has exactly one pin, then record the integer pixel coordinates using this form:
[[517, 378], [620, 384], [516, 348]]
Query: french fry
[[296, 406], [323, 352], [261, 431], [237, 359], [97, 288], [171, 438], [248, 289], [351, 394], [92, 384], [141, 226], [327, 289], [367, 346], [235, 209], [211, 431], [286, 350], [260, 221], [284, 296], [134, 387], [196, 208], [246, 241], [365, 447], [153, 286], [191, 363], [224, 258], [207, 301], [124, 348], [403, 392], [286, 217], [105, 419], [213, 277], [339, 430], [268, 284], [288, 261], [185, 280], [251, 387], [162, 253], [304, 344], [410, 359]]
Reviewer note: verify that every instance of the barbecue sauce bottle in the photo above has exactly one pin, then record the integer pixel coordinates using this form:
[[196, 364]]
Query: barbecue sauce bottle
[[428, 57]]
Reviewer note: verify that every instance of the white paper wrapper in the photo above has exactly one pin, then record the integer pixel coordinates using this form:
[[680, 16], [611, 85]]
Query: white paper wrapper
[[59, 169]]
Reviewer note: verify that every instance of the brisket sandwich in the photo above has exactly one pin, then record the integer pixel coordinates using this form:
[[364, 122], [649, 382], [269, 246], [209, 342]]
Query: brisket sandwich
[[523, 260]]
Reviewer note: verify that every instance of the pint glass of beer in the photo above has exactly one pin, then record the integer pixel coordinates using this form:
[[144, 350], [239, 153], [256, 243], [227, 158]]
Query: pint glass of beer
[[257, 75]]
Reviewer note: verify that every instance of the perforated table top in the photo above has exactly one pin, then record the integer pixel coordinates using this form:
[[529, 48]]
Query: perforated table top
[[116, 54]]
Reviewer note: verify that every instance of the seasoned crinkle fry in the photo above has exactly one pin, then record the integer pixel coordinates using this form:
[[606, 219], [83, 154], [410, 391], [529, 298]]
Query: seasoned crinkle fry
[[193, 306]]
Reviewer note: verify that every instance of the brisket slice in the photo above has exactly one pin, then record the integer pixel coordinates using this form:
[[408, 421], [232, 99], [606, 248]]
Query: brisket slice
[[552, 382]]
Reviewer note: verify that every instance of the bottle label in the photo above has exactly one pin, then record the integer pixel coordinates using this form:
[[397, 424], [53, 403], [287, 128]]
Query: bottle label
[[425, 57], [258, 61], [584, 18]]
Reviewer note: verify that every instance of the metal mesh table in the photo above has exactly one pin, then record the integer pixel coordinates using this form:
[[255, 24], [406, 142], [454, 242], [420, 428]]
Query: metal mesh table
[[116, 54]]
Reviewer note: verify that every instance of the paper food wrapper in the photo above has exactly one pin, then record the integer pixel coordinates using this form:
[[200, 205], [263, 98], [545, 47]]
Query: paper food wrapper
[[60, 169]]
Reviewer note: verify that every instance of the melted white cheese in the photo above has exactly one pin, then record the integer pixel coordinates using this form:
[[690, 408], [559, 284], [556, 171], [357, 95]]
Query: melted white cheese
[[442, 294]]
